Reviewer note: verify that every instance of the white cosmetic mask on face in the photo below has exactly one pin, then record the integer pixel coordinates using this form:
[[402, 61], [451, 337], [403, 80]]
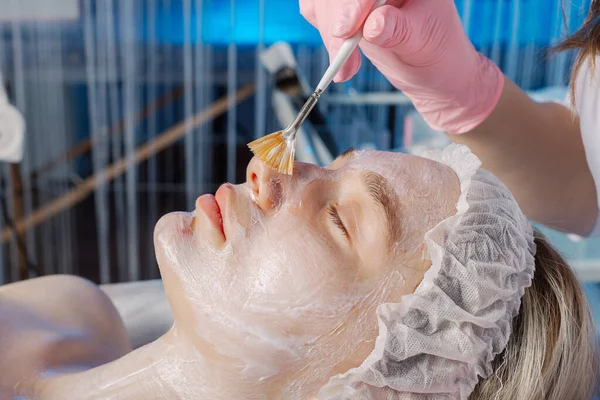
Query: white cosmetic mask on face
[[280, 298], [274, 301]]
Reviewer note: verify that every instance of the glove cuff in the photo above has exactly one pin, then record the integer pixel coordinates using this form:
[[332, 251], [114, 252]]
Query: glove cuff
[[472, 104]]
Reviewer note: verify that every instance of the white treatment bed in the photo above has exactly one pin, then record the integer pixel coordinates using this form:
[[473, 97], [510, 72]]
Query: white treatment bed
[[144, 309]]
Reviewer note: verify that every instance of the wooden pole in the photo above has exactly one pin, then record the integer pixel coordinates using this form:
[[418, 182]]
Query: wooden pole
[[86, 145], [17, 214], [144, 152]]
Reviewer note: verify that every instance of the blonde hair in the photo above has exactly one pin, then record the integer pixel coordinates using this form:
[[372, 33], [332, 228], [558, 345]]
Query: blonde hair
[[552, 353]]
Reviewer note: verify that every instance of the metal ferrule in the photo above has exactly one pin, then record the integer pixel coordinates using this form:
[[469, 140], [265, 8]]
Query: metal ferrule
[[290, 131]]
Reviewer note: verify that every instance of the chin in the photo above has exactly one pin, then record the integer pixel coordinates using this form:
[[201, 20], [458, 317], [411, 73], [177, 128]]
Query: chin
[[172, 226], [170, 230]]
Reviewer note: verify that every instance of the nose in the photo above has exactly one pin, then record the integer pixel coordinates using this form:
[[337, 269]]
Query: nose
[[266, 184], [269, 186]]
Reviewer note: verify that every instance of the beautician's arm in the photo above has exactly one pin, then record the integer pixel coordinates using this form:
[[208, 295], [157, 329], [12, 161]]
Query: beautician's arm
[[420, 47], [537, 151]]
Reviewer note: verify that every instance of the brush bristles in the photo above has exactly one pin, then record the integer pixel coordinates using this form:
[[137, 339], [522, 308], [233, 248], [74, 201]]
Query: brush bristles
[[275, 151]]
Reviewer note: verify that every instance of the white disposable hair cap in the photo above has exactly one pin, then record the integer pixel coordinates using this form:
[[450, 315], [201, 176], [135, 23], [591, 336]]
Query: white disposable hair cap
[[437, 341]]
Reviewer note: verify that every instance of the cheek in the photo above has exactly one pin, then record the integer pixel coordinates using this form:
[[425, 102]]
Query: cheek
[[296, 267], [298, 278]]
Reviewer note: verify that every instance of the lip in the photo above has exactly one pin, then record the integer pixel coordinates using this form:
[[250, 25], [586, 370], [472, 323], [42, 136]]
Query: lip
[[209, 205], [222, 196]]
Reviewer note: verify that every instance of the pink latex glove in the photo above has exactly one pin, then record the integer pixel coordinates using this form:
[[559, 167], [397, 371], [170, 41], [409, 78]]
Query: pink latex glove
[[421, 47]]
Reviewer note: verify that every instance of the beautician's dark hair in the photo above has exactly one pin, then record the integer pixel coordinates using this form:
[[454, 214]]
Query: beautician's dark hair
[[586, 40], [552, 353]]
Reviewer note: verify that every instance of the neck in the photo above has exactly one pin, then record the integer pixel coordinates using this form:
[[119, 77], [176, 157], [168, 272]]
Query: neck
[[164, 369]]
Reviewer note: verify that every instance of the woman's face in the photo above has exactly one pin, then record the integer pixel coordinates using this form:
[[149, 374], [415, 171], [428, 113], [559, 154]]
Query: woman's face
[[286, 271]]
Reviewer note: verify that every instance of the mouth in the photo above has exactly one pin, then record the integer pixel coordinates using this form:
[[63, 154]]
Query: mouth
[[209, 206]]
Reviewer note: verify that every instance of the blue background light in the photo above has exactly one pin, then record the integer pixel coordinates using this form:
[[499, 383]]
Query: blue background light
[[539, 21]]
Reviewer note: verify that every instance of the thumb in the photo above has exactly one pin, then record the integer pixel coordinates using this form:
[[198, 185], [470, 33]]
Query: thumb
[[387, 27]]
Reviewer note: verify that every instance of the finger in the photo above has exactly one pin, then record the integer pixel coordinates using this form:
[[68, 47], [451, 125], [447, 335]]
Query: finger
[[387, 27], [351, 66], [307, 10], [349, 16]]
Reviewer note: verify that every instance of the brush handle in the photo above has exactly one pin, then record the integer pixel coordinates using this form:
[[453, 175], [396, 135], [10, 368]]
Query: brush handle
[[345, 52]]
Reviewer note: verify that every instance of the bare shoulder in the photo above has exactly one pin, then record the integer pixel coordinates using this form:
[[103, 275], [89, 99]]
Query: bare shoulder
[[54, 324]]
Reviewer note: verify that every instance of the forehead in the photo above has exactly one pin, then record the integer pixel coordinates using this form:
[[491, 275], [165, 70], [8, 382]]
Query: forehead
[[403, 172]]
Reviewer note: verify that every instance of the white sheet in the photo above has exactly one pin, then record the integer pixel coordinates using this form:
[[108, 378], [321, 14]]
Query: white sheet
[[144, 309]]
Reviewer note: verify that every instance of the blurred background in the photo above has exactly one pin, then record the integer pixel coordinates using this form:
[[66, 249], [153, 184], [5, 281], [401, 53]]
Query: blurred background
[[134, 108]]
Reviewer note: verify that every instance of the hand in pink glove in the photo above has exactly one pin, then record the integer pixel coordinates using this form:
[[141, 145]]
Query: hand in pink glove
[[421, 47]]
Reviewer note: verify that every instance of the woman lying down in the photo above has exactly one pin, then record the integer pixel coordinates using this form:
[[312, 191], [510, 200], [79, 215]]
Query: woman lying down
[[383, 276]]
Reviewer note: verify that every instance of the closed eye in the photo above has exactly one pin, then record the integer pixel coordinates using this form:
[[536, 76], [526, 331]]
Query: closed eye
[[334, 215]]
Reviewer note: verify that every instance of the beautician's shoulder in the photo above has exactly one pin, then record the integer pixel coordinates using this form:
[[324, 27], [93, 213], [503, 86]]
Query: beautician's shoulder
[[587, 89], [586, 105]]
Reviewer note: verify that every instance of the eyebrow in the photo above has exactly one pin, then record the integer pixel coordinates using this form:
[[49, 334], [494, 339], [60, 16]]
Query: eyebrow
[[378, 188], [380, 192]]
